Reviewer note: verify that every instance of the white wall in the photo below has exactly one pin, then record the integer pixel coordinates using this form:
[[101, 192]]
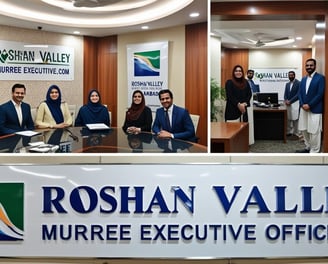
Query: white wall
[[271, 58], [215, 58], [72, 91]]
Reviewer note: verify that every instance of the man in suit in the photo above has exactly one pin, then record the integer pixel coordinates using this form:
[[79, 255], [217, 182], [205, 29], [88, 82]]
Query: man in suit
[[172, 121], [310, 96], [255, 87], [15, 115], [292, 104]]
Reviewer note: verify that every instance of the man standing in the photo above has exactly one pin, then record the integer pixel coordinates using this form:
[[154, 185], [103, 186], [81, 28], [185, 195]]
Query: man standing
[[292, 104], [255, 87], [311, 106], [172, 121], [15, 115]]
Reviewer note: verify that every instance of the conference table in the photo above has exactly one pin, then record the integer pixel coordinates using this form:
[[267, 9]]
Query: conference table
[[83, 140]]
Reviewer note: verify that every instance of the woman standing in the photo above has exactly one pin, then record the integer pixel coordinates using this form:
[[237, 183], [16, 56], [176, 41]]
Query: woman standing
[[93, 112], [238, 94], [138, 117], [53, 113]]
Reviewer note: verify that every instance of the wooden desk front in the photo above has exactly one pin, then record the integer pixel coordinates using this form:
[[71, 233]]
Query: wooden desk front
[[229, 137], [270, 123]]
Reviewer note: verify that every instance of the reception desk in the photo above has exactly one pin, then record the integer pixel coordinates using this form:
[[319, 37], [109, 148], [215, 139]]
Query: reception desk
[[229, 137], [82, 140], [270, 123]]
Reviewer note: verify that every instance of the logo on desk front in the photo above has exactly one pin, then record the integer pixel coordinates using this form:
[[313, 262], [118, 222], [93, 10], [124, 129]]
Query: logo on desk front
[[11, 211], [147, 63]]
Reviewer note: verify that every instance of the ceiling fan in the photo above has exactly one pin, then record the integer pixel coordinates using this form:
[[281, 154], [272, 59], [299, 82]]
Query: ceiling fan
[[266, 40], [93, 3]]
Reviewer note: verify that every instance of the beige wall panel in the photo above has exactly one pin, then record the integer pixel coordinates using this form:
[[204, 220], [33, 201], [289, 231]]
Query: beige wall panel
[[72, 91]]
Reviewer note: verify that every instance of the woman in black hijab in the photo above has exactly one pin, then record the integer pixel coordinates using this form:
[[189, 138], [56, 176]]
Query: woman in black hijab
[[138, 117], [93, 112], [238, 94]]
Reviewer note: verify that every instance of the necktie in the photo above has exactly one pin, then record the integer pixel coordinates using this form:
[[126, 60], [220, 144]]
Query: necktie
[[167, 119]]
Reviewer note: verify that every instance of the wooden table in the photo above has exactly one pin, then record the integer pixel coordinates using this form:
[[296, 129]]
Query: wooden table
[[229, 137], [270, 123]]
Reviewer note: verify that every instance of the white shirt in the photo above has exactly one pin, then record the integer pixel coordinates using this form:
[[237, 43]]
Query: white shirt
[[18, 111]]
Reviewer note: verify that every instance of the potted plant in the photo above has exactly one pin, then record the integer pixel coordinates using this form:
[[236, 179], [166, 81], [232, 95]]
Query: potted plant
[[218, 98]]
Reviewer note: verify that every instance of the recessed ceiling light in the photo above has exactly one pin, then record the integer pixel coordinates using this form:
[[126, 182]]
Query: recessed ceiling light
[[144, 27], [76, 32], [320, 25], [299, 38], [195, 14]]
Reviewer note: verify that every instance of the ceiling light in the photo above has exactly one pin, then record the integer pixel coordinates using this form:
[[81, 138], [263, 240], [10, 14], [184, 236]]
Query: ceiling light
[[320, 25], [76, 32], [144, 27], [299, 38], [252, 10], [195, 14]]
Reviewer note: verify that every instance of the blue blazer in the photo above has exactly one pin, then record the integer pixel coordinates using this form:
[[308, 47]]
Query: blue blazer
[[9, 122], [182, 126], [314, 96], [292, 95]]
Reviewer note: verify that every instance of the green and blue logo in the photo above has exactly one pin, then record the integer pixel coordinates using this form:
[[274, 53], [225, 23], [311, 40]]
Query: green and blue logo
[[11, 211], [147, 63]]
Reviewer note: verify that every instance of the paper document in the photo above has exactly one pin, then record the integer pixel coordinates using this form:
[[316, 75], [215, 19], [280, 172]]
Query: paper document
[[97, 126], [27, 133]]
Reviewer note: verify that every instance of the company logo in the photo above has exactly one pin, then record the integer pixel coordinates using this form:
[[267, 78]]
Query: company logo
[[147, 63], [11, 211], [3, 56]]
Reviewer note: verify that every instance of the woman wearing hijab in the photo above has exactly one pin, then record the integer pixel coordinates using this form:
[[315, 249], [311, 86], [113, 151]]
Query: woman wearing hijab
[[238, 94], [93, 112], [138, 117], [53, 113]]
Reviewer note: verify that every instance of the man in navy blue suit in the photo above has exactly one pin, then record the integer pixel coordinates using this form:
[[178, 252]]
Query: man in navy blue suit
[[311, 95], [172, 121], [292, 104], [15, 115], [255, 87]]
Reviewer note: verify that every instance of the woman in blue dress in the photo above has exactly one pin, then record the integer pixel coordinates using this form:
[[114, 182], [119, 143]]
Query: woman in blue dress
[[92, 112]]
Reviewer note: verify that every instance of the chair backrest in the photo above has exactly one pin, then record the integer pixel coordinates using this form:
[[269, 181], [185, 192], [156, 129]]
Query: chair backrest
[[195, 120], [33, 113], [110, 118], [72, 110]]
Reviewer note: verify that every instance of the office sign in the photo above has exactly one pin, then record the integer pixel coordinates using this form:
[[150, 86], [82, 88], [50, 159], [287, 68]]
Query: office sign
[[167, 211], [274, 79], [22, 61], [147, 65]]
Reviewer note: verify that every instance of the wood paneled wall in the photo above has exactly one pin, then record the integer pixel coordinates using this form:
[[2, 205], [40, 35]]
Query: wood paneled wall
[[100, 71], [230, 58], [286, 10], [196, 76]]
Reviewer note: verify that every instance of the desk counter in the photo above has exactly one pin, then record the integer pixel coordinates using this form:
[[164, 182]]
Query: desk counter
[[270, 123], [229, 137], [82, 140]]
